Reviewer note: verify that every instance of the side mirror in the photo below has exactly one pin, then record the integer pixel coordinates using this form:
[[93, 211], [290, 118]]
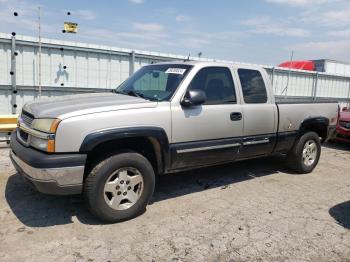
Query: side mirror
[[194, 98], [345, 109]]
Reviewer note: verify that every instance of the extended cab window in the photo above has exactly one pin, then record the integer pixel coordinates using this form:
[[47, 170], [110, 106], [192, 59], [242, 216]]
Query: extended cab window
[[217, 84], [253, 86]]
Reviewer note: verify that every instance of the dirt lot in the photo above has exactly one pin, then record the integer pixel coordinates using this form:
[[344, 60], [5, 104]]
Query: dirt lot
[[253, 210]]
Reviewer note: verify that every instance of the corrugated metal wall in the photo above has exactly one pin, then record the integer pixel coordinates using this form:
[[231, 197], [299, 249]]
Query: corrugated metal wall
[[69, 68]]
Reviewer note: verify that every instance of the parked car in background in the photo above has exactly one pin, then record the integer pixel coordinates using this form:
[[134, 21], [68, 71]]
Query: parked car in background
[[343, 127]]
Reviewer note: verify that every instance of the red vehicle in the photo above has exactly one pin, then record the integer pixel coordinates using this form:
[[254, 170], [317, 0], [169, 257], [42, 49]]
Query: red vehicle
[[343, 127]]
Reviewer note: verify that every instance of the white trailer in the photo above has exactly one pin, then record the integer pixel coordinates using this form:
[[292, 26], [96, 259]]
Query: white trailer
[[332, 67]]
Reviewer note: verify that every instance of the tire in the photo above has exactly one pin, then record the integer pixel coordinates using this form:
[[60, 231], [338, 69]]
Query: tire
[[304, 162], [110, 189]]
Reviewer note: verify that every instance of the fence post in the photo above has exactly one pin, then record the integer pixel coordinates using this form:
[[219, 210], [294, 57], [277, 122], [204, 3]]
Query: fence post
[[273, 78], [132, 63], [13, 75], [314, 88], [349, 94]]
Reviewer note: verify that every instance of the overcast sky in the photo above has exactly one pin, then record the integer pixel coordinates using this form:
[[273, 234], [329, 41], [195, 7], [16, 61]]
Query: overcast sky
[[257, 31]]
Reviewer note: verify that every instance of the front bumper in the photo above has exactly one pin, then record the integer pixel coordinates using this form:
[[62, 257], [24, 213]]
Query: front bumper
[[342, 134], [55, 174]]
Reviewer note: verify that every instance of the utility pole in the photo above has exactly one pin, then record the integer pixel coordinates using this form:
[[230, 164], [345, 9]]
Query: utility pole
[[39, 43]]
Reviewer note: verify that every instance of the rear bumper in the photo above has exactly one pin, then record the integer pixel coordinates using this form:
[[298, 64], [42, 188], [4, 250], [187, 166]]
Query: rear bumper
[[55, 174]]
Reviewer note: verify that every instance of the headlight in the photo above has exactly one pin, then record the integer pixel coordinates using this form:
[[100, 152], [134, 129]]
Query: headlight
[[47, 145], [39, 143], [344, 124], [46, 125]]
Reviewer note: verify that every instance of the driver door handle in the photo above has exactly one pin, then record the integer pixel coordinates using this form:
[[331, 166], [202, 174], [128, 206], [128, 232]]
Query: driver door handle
[[236, 116]]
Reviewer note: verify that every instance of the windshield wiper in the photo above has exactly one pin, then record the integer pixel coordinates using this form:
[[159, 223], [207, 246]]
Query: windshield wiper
[[135, 93], [117, 92], [131, 93]]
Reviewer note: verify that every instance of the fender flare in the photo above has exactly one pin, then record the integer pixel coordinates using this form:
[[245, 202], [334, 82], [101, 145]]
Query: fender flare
[[153, 134], [319, 121]]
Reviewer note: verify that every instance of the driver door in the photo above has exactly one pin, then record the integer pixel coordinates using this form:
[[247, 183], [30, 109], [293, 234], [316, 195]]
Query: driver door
[[209, 133]]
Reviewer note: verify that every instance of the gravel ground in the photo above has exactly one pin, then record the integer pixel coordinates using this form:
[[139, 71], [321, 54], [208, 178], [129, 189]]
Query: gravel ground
[[252, 210]]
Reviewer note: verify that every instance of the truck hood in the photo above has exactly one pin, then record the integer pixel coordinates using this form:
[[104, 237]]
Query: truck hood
[[74, 105], [345, 116]]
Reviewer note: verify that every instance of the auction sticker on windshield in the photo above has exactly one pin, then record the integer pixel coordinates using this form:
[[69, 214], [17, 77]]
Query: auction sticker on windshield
[[179, 71]]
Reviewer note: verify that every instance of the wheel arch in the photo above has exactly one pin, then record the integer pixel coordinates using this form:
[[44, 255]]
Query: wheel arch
[[152, 142], [318, 125]]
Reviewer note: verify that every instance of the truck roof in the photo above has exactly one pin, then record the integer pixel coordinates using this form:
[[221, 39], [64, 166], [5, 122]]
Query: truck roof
[[210, 63]]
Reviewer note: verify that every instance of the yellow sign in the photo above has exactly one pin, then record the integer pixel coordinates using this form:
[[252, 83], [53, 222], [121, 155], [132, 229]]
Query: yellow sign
[[70, 27]]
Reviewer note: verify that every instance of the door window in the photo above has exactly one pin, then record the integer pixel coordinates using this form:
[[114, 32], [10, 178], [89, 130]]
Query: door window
[[217, 84]]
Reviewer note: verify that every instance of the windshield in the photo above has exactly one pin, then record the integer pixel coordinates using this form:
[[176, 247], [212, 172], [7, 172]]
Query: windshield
[[155, 82]]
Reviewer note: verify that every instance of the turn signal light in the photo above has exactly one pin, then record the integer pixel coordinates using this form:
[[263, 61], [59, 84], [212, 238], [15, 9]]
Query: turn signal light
[[51, 146]]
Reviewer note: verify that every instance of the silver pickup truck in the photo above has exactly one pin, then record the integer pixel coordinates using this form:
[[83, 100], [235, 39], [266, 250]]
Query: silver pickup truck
[[165, 118]]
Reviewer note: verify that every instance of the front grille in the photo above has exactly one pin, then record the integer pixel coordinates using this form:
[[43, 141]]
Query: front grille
[[27, 118]]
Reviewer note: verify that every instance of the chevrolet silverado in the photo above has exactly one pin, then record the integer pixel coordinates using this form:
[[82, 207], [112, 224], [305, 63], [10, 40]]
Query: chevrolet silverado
[[165, 118]]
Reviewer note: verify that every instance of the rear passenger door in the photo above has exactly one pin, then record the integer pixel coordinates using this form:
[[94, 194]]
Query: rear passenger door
[[208, 133], [259, 114]]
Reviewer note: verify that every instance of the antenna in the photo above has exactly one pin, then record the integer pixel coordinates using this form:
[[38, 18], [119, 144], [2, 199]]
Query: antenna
[[289, 71]]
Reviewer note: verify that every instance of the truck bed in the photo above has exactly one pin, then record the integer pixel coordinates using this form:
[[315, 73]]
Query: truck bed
[[292, 112]]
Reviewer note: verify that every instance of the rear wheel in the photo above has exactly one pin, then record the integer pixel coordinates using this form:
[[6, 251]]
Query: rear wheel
[[305, 153], [119, 187]]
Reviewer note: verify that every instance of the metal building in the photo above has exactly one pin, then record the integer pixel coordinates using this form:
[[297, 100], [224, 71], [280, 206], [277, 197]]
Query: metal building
[[70, 67]]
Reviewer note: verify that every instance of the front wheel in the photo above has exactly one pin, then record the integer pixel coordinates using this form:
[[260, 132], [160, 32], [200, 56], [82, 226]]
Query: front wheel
[[119, 187], [305, 153]]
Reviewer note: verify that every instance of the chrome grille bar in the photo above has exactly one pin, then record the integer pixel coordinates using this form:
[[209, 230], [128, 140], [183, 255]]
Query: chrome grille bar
[[27, 118]]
